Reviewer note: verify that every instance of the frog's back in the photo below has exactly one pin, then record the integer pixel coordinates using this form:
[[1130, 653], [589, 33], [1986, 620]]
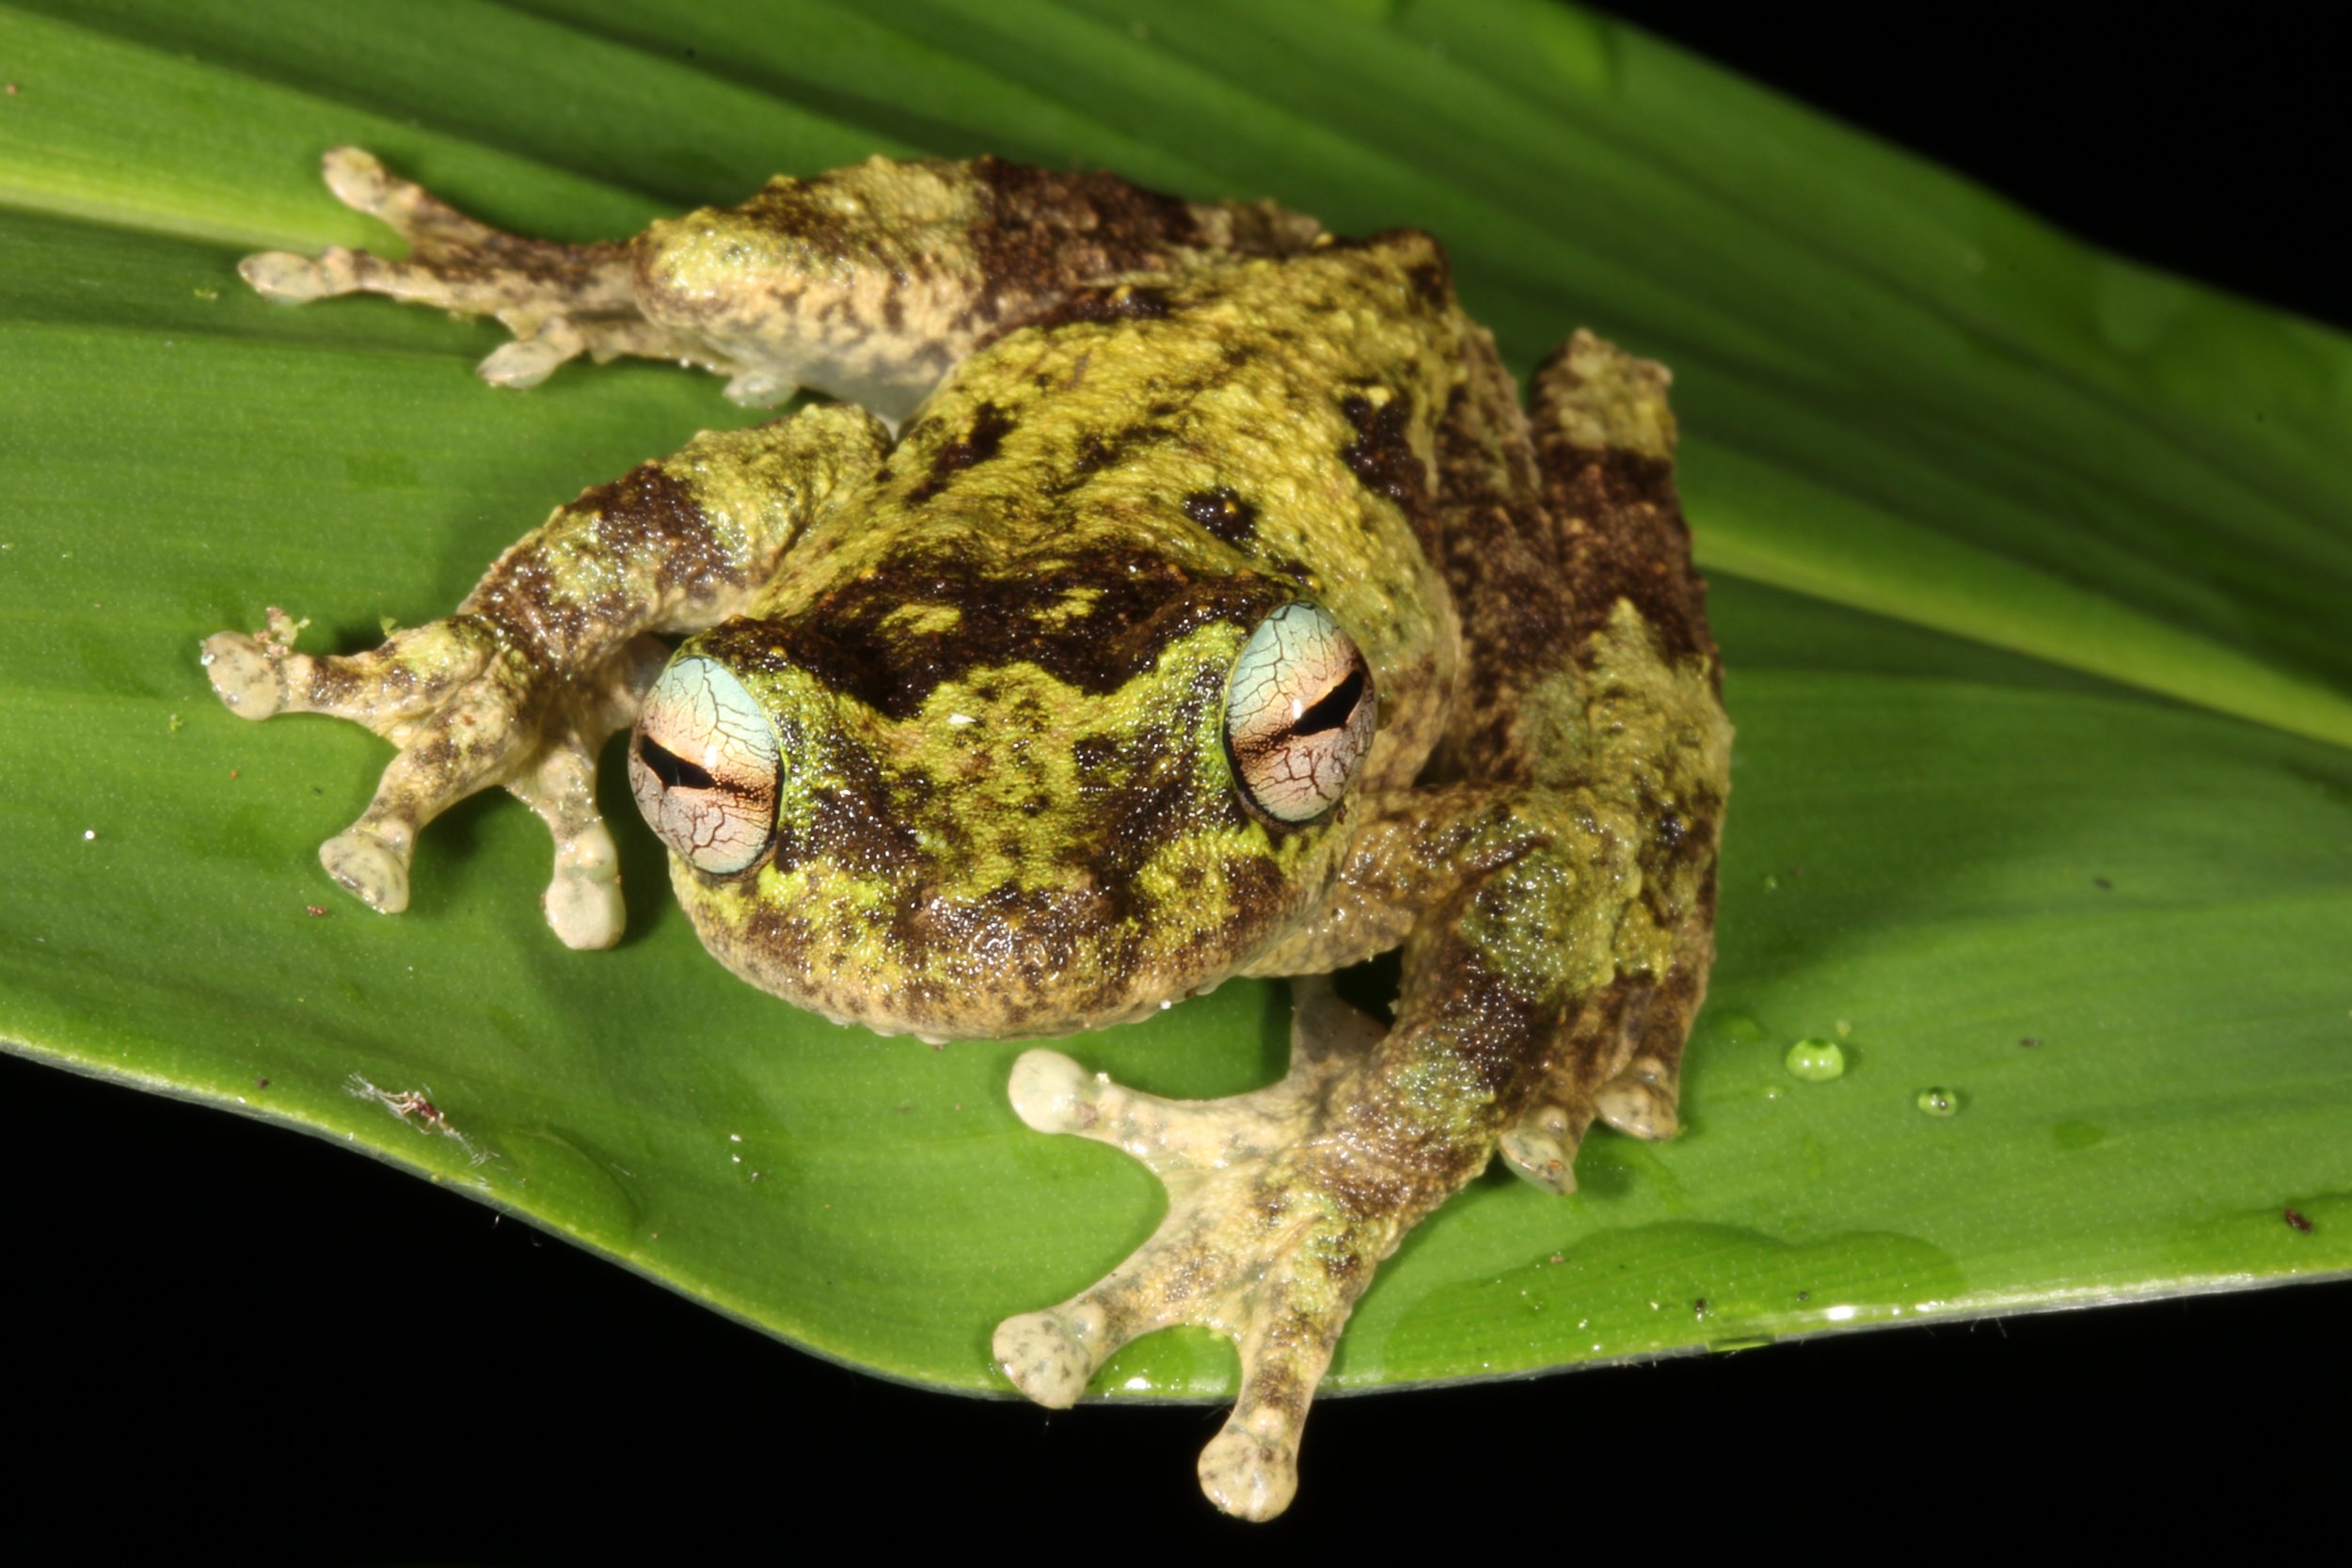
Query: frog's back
[[1158, 447]]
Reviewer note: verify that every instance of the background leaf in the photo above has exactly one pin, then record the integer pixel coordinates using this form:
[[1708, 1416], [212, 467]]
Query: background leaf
[[2041, 484]]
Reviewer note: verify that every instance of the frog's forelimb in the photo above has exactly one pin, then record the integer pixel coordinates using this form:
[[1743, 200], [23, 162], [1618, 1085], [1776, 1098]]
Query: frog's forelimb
[[551, 652]]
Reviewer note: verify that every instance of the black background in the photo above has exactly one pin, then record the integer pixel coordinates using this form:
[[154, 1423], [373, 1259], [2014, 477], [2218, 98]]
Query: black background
[[192, 1299]]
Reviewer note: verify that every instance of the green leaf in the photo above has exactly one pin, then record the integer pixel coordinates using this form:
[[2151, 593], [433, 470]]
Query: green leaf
[[2029, 569]]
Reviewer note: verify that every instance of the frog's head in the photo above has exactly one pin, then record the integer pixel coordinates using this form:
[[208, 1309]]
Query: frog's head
[[1007, 803]]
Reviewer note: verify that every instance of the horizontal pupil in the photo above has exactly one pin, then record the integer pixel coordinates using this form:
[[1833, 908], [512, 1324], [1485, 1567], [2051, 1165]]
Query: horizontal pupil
[[1332, 709], [673, 771]]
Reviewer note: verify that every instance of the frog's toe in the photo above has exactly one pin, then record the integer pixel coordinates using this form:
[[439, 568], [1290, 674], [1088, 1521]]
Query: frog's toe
[[283, 277], [1049, 1356], [244, 675], [761, 388], [1051, 1093], [1541, 1149], [1250, 1476], [529, 360], [371, 864], [1639, 1102], [358, 179]]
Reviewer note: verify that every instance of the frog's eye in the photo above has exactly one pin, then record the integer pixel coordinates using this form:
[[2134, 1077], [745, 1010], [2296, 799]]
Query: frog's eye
[[704, 764], [1298, 713]]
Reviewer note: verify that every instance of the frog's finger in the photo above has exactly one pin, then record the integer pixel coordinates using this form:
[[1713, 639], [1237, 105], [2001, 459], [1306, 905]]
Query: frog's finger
[[471, 740], [582, 902], [584, 898], [467, 286], [410, 675], [371, 861]]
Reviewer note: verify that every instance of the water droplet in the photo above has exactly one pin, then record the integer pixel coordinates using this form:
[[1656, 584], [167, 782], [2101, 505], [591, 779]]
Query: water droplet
[[1734, 1027], [1772, 882], [1939, 1101], [1816, 1061]]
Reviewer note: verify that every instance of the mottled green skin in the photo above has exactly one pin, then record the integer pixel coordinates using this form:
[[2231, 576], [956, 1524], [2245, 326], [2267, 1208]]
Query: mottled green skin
[[1073, 851], [995, 654]]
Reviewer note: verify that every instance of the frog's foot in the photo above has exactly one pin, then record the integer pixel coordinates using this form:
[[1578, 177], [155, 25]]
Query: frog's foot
[[561, 301], [466, 712], [1272, 1232], [1622, 1065]]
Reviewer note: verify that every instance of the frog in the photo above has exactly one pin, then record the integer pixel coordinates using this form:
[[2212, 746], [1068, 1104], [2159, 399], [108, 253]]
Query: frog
[[1154, 591]]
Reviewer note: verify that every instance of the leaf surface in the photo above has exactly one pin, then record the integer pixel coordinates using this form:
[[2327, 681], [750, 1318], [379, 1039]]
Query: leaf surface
[[2027, 565]]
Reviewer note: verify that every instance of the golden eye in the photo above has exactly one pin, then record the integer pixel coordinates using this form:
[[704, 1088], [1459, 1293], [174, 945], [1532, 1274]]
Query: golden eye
[[1298, 713], [704, 765]]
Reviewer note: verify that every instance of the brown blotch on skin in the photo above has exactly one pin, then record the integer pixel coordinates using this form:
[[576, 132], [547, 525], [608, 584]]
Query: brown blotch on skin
[[644, 519], [1433, 281], [1381, 455], [1621, 533], [1497, 552], [1116, 302], [1223, 513], [1096, 451], [1044, 231], [1136, 605], [980, 442]]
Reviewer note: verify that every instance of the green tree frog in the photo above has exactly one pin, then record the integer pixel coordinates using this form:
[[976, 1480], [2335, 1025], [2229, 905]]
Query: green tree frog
[[1173, 591]]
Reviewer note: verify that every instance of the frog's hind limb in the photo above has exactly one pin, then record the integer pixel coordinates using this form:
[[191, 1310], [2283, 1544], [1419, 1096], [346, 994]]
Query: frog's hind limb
[[1610, 688], [560, 301], [1554, 892], [1245, 1249], [549, 654], [1282, 1203], [1604, 439], [868, 283]]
